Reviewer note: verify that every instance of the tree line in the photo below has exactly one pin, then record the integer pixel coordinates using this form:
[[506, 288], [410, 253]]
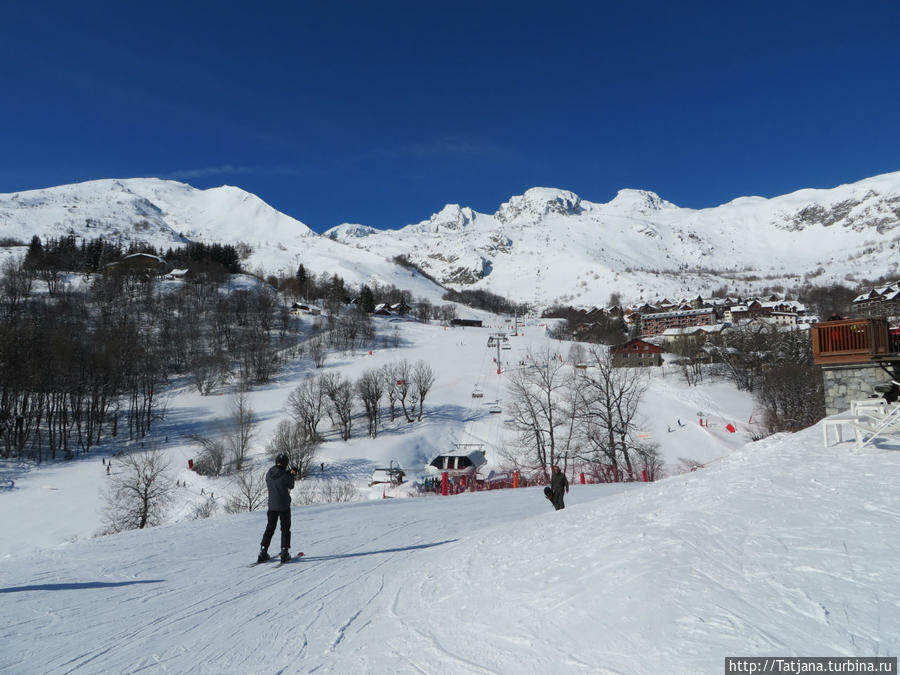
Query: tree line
[[81, 366], [66, 254]]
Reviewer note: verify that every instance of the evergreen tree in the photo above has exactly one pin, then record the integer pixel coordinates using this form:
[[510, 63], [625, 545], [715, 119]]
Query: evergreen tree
[[35, 254], [366, 300]]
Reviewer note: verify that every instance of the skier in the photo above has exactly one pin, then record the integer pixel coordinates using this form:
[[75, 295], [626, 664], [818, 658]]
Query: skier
[[559, 485], [280, 481]]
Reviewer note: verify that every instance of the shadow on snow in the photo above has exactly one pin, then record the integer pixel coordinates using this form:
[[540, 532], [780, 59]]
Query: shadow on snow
[[77, 586], [338, 556]]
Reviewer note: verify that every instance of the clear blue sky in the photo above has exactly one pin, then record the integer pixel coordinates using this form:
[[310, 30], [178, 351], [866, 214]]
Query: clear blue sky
[[380, 113]]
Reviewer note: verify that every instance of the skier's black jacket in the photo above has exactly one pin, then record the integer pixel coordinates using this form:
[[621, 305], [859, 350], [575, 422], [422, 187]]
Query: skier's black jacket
[[280, 483], [559, 483]]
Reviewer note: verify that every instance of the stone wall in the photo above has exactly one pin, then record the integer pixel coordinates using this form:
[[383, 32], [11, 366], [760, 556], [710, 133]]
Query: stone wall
[[850, 383]]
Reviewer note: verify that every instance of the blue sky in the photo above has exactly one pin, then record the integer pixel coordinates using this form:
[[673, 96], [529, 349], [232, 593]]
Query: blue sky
[[380, 113]]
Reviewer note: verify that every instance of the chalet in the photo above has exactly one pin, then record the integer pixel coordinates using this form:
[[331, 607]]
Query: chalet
[[177, 274], [884, 301], [697, 334], [138, 263], [303, 309], [382, 310], [400, 308], [739, 313], [637, 353], [656, 324], [774, 319]]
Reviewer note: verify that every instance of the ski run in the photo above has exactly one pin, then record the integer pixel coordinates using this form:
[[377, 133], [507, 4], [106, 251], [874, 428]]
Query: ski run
[[776, 547]]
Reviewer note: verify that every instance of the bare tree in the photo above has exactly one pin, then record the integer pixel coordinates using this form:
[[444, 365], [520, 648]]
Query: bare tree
[[423, 379], [293, 440], [307, 404], [607, 410], [249, 492], [340, 396], [317, 351], [388, 373], [211, 460], [370, 388], [241, 433], [140, 492], [205, 508], [209, 371], [542, 400], [325, 492], [402, 385], [745, 353]]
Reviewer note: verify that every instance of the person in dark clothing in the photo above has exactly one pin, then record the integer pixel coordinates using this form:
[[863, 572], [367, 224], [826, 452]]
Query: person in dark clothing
[[892, 393], [559, 485], [280, 481]]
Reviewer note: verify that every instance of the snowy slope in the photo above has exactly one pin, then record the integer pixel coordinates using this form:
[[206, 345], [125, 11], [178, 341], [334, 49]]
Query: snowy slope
[[783, 548], [545, 246], [167, 213], [550, 245], [779, 547]]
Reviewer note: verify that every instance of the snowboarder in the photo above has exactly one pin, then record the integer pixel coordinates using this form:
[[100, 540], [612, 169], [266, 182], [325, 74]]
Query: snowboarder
[[559, 486], [280, 481], [107, 469]]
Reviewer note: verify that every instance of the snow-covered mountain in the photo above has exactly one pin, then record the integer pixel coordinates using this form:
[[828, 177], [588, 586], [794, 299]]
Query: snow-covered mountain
[[544, 246], [550, 245], [168, 213]]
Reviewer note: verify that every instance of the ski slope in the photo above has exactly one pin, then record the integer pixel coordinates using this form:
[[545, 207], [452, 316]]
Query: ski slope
[[778, 547], [783, 548]]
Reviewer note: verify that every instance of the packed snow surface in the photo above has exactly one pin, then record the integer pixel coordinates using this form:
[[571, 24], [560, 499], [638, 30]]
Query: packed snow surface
[[784, 548]]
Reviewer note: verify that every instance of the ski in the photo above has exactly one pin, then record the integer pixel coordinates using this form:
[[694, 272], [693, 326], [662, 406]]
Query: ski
[[293, 558], [254, 564]]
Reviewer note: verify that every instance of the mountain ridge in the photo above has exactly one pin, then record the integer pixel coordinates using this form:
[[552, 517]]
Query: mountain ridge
[[545, 246]]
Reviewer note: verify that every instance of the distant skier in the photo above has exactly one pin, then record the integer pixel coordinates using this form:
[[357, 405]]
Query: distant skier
[[559, 487], [280, 481]]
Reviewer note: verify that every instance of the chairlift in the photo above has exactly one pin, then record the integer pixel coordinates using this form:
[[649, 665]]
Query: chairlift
[[495, 408], [505, 347], [477, 393]]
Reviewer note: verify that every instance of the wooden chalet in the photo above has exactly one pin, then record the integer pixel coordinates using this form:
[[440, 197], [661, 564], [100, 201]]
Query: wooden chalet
[[637, 353], [858, 356], [138, 263]]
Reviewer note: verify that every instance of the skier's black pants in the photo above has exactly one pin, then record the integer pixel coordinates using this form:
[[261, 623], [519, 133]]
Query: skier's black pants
[[273, 517]]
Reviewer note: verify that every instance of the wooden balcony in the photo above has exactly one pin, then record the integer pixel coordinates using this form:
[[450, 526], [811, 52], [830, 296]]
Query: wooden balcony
[[848, 341]]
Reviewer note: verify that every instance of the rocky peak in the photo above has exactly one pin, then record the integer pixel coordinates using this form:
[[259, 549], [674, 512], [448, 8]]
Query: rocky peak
[[640, 201], [537, 203]]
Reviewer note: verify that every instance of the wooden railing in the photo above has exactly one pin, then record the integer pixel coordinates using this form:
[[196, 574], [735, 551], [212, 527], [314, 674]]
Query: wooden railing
[[853, 341]]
